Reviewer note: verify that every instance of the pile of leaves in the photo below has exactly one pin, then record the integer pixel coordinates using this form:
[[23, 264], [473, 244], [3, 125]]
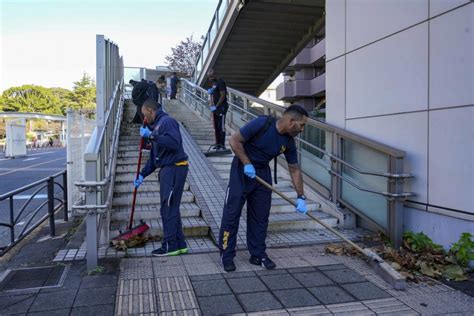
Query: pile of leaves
[[135, 241], [420, 257]]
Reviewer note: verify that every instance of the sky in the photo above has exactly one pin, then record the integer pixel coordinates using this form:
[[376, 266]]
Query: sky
[[51, 43]]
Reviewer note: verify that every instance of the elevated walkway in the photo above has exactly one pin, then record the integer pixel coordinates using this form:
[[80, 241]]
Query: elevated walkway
[[250, 43]]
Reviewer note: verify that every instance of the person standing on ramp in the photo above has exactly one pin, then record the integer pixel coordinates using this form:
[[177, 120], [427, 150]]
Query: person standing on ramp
[[218, 108], [255, 145]]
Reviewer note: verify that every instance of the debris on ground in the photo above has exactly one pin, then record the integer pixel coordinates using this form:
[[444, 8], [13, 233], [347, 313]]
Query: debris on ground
[[133, 242], [417, 259]]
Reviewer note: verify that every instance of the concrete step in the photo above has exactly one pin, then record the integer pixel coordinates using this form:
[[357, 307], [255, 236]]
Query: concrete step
[[147, 186], [128, 168], [192, 227], [130, 177], [133, 154], [221, 159], [146, 198], [132, 161], [280, 206], [296, 221], [147, 212]]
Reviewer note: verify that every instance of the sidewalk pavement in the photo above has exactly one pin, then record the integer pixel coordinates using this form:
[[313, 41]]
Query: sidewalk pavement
[[306, 282]]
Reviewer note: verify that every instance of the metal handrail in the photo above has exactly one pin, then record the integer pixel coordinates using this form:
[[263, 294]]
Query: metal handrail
[[391, 189], [48, 183]]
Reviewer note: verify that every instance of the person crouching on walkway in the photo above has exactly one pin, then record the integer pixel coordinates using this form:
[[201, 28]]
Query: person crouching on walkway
[[167, 153], [255, 145]]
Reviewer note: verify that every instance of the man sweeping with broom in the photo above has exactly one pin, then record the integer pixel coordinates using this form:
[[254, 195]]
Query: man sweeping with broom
[[167, 154]]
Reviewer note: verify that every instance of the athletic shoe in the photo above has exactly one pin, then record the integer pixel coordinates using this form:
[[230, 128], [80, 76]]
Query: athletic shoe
[[229, 266], [264, 262], [162, 252], [183, 251]]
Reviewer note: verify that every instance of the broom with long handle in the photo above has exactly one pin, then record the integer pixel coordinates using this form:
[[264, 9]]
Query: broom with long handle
[[386, 271]]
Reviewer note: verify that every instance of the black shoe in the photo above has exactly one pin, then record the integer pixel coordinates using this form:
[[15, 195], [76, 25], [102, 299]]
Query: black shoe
[[162, 252], [229, 266], [264, 262]]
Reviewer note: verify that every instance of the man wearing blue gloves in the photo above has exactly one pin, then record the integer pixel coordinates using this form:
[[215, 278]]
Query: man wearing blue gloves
[[255, 145], [218, 107], [167, 154]]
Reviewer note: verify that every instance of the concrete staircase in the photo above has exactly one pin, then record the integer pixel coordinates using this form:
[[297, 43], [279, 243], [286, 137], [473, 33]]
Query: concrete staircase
[[283, 217], [148, 195]]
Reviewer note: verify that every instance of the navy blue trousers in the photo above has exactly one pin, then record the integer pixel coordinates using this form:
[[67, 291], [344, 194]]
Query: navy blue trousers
[[172, 179], [243, 189], [173, 93], [219, 128]]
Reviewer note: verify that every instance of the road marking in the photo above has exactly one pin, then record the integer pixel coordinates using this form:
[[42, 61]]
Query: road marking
[[45, 153], [26, 197], [29, 167], [29, 159], [32, 169]]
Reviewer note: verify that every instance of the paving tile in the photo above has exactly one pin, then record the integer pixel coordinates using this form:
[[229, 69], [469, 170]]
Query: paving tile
[[169, 271], [53, 300], [56, 312], [332, 267], [173, 284], [137, 304], [175, 301], [203, 277], [344, 276], [310, 279], [440, 303], [16, 303], [246, 285], [97, 296], [280, 281], [99, 281], [211, 287], [365, 291], [350, 309], [219, 305], [203, 268], [296, 298], [239, 274], [269, 272], [301, 269], [276, 312], [102, 310], [133, 287], [259, 301], [310, 311], [389, 306], [331, 294]]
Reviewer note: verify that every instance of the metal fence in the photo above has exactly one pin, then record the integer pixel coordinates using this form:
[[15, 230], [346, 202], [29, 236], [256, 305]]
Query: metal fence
[[101, 151], [24, 217], [363, 175], [79, 130]]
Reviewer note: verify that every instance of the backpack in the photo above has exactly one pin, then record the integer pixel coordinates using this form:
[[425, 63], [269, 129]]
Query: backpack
[[268, 122], [142, 90]]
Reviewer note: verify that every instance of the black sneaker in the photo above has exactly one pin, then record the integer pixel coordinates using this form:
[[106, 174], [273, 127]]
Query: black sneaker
[[162, 252], [264, 262], [229, 266]]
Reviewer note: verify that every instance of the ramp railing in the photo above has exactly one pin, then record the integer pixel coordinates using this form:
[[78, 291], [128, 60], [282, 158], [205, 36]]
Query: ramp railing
[[360, 174]]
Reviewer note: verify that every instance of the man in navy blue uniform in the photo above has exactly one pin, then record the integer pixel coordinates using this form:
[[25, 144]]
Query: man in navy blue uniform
[[174, 86], [218, 108], [255, 145], [167, 154]]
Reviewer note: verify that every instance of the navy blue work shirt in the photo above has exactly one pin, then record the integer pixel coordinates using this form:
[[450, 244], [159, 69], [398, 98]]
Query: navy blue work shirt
[[167, 144], [268, 145], [217, 87]]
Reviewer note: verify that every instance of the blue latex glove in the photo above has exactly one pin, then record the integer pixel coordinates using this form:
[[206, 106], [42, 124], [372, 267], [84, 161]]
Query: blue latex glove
[[213, 108], [249, 171], [210, 90], [138, 181], [145, 132], [301, 206]]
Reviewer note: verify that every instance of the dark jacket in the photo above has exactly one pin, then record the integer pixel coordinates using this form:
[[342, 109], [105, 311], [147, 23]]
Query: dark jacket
[[167, 144]]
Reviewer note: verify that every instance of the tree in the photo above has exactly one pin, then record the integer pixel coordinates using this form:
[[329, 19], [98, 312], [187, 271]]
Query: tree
[[65, 97], [183, 57], [30, 98], [83, 96]]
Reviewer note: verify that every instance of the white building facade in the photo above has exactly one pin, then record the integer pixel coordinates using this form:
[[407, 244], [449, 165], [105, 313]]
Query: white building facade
[[401, 72]]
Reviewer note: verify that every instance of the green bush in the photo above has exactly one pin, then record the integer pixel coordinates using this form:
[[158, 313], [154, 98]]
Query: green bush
[[463, 250], [418, 242]]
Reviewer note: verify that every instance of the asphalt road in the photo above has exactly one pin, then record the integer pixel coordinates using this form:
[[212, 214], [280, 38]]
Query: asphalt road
[[18, 172]]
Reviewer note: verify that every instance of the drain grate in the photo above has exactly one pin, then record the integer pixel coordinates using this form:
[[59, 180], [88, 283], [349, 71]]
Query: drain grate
[[33, 278]]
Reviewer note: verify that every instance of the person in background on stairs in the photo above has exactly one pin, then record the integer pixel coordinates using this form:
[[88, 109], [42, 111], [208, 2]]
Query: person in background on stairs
[[167, 153], [255, 145], [174, 86], [219, 107], [161, 85]]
